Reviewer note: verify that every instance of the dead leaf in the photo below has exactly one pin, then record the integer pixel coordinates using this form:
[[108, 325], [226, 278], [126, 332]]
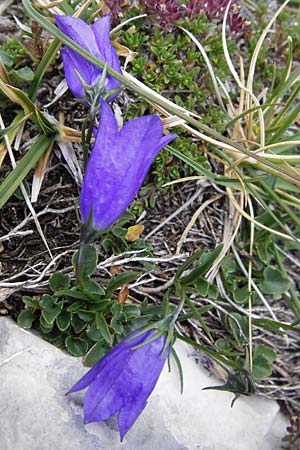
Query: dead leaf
[[134, 232], [123, 294], [39, 174], [115, 270]]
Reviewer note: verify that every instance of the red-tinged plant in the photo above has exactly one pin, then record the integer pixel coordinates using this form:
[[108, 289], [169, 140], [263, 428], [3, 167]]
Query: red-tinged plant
[[215, 10]]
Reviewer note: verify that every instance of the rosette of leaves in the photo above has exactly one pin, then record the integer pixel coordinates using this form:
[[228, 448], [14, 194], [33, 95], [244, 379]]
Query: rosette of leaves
[[86, 319]]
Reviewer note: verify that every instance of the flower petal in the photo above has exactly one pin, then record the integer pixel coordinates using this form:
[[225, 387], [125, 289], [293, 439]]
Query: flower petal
[[109, 360], [95, 188], [131, 159], [126, 386], [106, 394], [79, 31], [72, 61], [121, 163], [101, 30], [146, 366]]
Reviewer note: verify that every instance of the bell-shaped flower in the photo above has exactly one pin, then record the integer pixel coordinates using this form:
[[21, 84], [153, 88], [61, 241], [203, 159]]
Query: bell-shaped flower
[[94, 39], [118, 164], [121, 382]]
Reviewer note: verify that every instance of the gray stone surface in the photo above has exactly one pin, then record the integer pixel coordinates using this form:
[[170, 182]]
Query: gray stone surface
[[36, 415]]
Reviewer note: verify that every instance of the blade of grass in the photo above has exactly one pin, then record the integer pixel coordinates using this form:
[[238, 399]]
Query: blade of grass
[[29, 160]]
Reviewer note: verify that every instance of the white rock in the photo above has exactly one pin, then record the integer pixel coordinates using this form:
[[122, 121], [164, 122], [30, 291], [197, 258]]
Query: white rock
[[36, 415]]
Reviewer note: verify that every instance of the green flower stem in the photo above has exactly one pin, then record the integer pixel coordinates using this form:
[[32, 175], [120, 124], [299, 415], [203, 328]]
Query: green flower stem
[[86, 135], [87, 235], [94, 95]]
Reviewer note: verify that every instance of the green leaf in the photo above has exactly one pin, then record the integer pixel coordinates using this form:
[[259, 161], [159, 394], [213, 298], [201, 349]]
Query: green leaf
[[85, 315], [30, 302], [120, 280], [261, 367], [63, 320], [78, 324], [274, 282], [74, 306], [59, 341], [93, 333], [59, 281], [107, 244], [89, 260], [6, 59], [95, 353], [202, 286], [104, 329], [263, 249], [223, 345], [239, 328], [53, 335], [47, 301], [24, 74], [190, 260], [266, 351], [116, 308], [228, 265], [274, 326], [49, 314], [213, 291], [92, 287], [44, 326], [76, 346], [205, 262], [240, 294], [73, 293], [26, 318], [126, 217], [117, 325], [101, 306], [43, 65], [131, 311]]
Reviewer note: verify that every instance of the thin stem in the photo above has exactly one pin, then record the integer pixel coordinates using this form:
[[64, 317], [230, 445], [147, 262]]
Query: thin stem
[[86, 135]]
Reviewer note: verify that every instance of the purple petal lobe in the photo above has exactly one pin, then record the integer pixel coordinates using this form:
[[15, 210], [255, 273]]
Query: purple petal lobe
[[72, 63], [79, 31], [108, 361], [107, 390], [95, 189], [147, 365], [101, 29], [118, 164], [121, 382]]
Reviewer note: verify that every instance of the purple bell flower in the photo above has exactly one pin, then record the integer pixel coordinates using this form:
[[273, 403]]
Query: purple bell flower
[[121, 382], [94, 39], [118, 164]]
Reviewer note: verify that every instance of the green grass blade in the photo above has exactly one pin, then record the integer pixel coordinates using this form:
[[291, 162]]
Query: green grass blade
[[29, 160], [41, 69]]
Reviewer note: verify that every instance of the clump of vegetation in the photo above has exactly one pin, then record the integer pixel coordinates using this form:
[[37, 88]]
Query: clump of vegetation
[[236, 119]]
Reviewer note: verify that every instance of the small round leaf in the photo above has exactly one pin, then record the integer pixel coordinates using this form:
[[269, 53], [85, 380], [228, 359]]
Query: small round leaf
[[26, 318], [76, 346]]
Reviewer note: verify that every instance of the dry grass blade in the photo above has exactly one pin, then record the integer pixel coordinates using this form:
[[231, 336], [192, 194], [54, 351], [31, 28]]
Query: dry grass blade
[[193, 220], [39, 174]]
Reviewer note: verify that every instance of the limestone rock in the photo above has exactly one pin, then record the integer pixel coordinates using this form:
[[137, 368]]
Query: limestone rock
[[35, 414]]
